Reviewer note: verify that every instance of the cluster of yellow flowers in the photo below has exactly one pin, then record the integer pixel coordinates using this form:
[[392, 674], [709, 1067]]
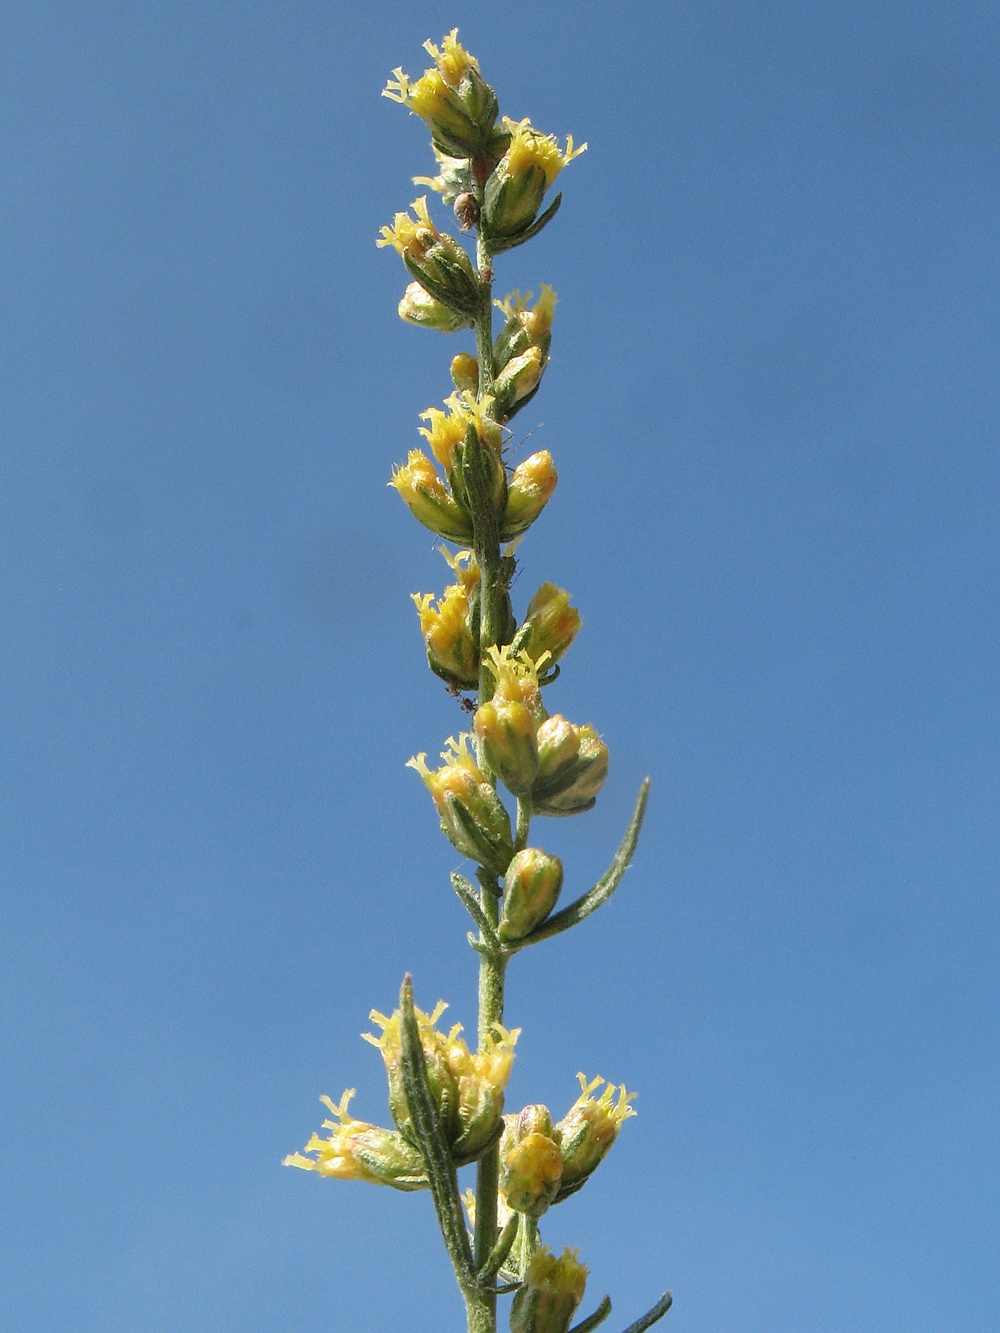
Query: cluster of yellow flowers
[[446, 1100]]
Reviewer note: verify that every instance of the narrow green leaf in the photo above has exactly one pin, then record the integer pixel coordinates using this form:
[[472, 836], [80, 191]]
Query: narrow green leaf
[[470, 901], [431, 1141], [592, 1321], [508, 243], [605, 886], [500, 1251], [649, 1319]]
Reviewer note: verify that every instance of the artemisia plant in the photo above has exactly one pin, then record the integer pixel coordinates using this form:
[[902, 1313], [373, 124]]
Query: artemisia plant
[[445, 1099]]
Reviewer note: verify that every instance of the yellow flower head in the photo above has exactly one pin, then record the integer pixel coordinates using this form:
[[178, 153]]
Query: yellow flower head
[[409, 237], [536, 320], [458, 776], [429, 499], [531, 485], [516, 675], [491, 1065], [554, 623], [590, 1127], [465, 371], [467, 1086], [481, 1077], [530, 1161], [444, 623], [451, 60], [530, 148], [355, 1150], [390, 1042], [604, 1108], [447, 429], [473, 817], [450, 98], [333, 1155], [553, 1288], [464, 566]]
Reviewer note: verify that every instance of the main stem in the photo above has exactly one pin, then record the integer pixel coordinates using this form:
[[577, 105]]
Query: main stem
[[480, 1304]]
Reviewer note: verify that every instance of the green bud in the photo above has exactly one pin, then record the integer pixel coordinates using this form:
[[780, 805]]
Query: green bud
[[588, 1130], [430, 501], [473, 817], [420, 308], [445, 271], [528, 491], [530, 889], [552, 1290], [573, 766], [440, 1079], [477, 469], [480, 1078], [518, 382], [507, 731], [355, 1150], [530, 1160], [511, 341], [551, 624], [511, 202]]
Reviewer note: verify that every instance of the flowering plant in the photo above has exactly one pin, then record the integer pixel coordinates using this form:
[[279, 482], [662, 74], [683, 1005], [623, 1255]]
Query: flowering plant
[[447, 1101]]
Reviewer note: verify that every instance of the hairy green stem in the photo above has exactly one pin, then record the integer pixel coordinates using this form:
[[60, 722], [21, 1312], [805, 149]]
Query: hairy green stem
[[481, 1304]]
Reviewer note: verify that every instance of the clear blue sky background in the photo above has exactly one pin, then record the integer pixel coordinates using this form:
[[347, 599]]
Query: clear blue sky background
[[773, 405]]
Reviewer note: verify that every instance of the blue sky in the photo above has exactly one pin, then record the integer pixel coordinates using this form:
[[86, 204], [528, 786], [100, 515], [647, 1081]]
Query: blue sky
[[773, 405]]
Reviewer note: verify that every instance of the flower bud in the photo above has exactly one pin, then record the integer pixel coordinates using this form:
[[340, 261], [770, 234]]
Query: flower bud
[[481, 1077], [358, 1151], [572, 767], [530, 889], [440, 1079], [530, 1160], [473, 817], [452, 99], [448, 625], [505, 725], [588, 1130], [429, 500], [466, 1087], [550, 624], [525, 326], [465, 373], [467, 442], [419, 307], [440, 265], [513, 193], [518, 382], [552, 1290], [528, 491]]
